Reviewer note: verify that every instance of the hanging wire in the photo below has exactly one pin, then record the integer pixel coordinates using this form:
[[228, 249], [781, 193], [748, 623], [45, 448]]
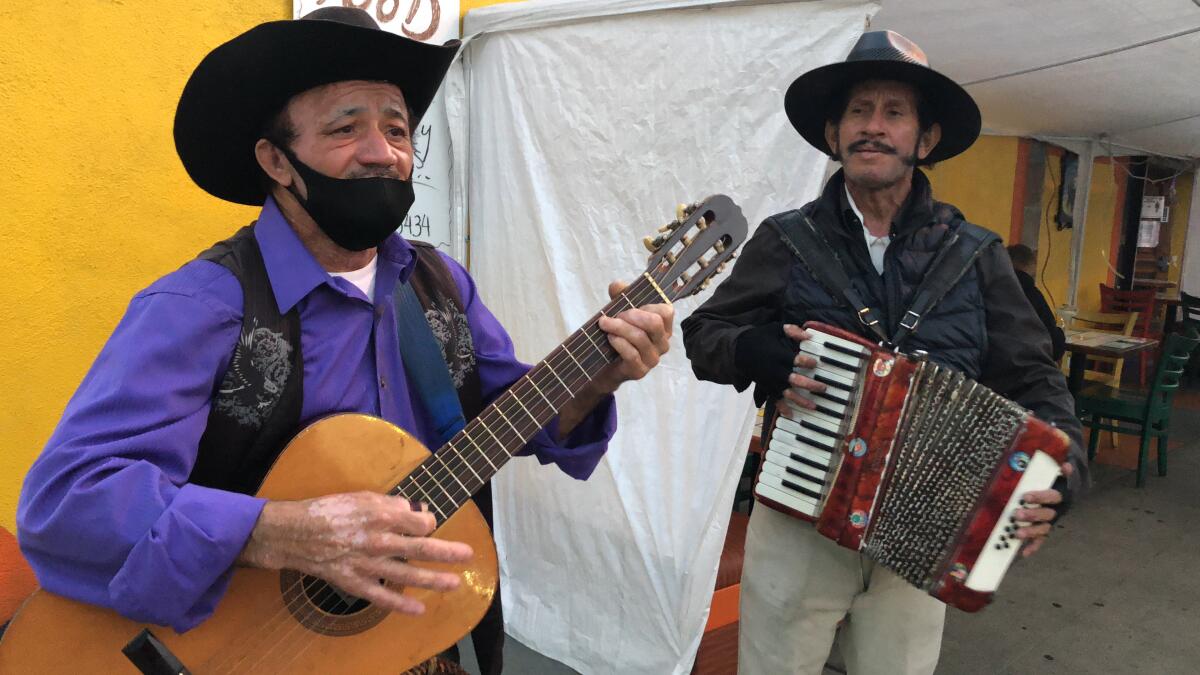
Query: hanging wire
[[1046, 229]]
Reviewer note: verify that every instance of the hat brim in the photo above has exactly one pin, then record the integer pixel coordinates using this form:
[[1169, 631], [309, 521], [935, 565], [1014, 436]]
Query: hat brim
[[951, 105], [237, 88]]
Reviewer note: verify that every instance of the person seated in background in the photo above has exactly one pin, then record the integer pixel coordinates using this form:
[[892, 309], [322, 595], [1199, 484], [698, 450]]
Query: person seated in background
[[1024, 262]]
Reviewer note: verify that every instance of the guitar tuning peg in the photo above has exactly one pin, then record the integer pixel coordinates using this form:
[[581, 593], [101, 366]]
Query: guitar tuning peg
[[719, 246], [680, 212], [651, 244], [704, 284], [702, 263], [702, 223], [670, 257], [721, 267], [669, 227], [686, 278]]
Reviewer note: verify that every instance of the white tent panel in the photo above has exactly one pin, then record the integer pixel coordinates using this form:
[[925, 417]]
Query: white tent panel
[[1183, 137], [972, 40], [584, 130], [1146, 93]]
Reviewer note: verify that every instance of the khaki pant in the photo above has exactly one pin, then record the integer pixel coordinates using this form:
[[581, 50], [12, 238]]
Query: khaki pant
[[797, 585]]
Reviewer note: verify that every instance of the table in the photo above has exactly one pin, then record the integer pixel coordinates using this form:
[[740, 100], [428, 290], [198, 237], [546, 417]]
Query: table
[[1086, 343]]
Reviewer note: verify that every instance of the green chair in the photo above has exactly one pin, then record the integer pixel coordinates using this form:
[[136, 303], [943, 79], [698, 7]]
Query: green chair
[[1140, 412]]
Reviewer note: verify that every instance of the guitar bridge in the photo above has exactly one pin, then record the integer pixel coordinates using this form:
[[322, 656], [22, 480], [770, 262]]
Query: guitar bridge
[[149, 655]]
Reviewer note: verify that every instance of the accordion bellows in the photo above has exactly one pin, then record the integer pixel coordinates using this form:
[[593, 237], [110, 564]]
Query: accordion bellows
[[912, 464]]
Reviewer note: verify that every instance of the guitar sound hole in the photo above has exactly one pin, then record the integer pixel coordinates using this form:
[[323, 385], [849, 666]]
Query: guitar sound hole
[[324, 608], [331, 599]]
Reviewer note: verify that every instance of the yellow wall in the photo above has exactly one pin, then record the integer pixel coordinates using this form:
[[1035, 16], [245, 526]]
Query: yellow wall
[[96, 204], [1054, 246], [980, 182]]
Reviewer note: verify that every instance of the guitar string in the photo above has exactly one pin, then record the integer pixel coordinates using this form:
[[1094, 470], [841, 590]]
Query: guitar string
[[328, 590], [587, 376], [567, 394], [464, 460]]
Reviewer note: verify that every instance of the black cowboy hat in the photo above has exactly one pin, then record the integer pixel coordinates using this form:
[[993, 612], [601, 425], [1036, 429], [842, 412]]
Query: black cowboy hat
[[884, 55], [241, 85]]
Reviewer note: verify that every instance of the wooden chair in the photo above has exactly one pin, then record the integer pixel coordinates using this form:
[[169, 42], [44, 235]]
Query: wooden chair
[[1140, 412], [1142, 302], [1106, 371]]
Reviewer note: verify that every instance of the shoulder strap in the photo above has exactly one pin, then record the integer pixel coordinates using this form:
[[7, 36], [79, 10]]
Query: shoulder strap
[[956, 255], [424, 363], [256, 408], [800, 235]]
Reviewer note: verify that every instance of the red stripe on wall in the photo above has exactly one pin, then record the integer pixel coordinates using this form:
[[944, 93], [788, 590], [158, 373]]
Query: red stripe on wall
[[1020, 180]]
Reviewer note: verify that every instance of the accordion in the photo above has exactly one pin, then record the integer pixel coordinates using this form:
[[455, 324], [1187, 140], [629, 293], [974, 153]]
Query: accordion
[[914, 465]]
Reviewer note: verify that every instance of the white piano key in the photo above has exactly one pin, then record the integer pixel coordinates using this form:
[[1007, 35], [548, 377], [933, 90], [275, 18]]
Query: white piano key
[[787, 444], [993, 562], [772, 487], [769, 469], [785, 460], [829, 359], [836, 374], [796, 413], [826, 429], [823, 337]]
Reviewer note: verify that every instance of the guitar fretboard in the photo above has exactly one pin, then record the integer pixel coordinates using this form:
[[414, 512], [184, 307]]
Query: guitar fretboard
[[448, 478]]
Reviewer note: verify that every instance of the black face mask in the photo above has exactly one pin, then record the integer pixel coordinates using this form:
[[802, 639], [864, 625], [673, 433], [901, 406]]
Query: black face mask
[[356, 213]]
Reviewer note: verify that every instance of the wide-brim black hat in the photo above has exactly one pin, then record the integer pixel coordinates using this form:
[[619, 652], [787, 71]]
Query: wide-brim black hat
[[884, 55], [241, 85]]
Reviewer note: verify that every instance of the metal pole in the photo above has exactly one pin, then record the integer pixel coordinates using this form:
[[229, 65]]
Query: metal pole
[[1083, 189]]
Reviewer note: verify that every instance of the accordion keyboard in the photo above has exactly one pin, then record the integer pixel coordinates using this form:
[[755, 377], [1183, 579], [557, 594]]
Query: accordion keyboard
[[802, 457]]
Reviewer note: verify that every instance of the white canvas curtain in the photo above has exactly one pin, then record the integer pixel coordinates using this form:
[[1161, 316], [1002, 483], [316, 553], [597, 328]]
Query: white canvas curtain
[[580, 125]]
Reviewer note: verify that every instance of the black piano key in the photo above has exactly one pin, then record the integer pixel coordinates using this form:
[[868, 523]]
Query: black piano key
[[817, 428], [836, 363], [845, 350], [802, 490], [830, 382], [827, 447], [828, 411], [808, 462], [828, 396]]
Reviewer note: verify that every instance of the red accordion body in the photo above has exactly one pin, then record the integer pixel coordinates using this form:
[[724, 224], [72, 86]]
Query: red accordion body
[[884, 467]]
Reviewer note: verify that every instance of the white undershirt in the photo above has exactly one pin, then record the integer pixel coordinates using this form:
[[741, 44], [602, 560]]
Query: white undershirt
[[363, 277], [876, 246]]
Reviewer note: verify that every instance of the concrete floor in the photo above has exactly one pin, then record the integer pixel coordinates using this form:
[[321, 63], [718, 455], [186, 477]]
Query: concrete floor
[[1116, 590]]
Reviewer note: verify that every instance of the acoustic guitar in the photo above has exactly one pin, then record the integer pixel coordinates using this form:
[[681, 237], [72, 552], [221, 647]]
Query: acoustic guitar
[[283, 621]]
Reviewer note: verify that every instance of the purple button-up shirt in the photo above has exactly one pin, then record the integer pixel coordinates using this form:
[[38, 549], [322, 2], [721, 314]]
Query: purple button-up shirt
[[107, 516]]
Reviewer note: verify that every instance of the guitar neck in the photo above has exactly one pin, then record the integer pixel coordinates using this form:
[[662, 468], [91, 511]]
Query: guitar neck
[[448, 478]]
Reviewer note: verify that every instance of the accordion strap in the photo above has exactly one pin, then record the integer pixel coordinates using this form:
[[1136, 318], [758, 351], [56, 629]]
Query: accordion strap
[[955, 256], [818, 257]]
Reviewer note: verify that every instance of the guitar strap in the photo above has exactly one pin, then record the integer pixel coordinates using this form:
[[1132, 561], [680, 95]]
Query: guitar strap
[[425, 366]]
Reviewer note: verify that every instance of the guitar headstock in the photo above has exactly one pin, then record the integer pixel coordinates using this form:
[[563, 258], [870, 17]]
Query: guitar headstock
[[714, 227]]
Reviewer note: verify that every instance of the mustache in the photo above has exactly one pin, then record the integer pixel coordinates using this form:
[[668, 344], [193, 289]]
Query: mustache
[[875, 146], [376, 173]]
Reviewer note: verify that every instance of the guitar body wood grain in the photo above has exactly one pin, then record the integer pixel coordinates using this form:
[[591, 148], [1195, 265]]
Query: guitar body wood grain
[[257, 626]]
